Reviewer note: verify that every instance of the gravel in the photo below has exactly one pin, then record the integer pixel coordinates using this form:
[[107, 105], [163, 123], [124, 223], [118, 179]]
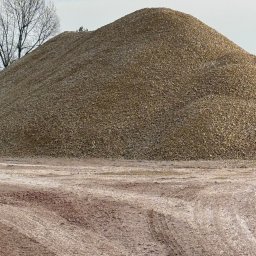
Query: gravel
[[156, 84]]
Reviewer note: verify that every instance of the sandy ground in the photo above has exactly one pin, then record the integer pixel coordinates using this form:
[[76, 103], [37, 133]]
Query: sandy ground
[[98, 207]]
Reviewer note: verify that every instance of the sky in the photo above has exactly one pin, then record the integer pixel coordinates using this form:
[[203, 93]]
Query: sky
[[235, 19]]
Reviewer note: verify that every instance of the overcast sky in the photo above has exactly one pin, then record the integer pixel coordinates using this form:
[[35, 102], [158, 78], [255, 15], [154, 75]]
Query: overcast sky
[[236, 19]]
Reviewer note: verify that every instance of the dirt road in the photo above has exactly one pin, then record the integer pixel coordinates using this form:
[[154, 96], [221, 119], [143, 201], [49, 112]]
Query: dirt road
[[98, 207]]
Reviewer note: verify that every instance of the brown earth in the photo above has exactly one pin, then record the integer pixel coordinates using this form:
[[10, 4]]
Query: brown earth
[[156, 84], [98, 207]]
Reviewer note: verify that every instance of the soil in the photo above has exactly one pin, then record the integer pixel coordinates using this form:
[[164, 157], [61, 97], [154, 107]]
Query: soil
[[103, 207]]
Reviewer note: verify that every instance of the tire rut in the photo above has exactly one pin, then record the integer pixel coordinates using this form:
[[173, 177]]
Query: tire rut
[[205, 221], [162, 233]]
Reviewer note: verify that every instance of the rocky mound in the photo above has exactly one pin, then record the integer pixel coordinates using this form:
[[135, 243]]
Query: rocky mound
[[156, 84]]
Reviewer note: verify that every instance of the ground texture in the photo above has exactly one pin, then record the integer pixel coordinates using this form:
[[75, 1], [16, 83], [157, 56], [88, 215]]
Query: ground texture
[[98, 207]]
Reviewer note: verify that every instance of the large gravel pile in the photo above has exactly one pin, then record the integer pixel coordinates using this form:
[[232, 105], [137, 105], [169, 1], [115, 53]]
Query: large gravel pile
[[156, 84]]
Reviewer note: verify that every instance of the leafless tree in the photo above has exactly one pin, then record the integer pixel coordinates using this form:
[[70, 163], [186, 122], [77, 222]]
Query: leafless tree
[[25, 25]]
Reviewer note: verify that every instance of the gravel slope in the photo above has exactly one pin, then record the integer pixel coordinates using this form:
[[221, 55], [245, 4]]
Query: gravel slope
[[156, 84]]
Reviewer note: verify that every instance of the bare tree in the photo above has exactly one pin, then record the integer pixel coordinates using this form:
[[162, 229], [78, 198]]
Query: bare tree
[[7, 37], [25, 25]]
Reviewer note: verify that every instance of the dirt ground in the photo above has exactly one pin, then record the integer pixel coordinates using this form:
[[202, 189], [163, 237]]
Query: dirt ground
[[99, 207]]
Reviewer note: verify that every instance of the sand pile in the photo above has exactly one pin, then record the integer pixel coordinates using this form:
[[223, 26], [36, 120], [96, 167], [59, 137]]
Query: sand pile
[[156, 84]]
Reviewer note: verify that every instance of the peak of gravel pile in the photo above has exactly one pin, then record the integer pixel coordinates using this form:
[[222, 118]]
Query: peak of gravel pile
[[156, 84]]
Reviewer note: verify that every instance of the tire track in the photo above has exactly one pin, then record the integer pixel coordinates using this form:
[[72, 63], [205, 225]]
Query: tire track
[[239, 199], [179, 237], [12, 243], [160, 232], [57, 235], [230, 224], [207, 225]]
